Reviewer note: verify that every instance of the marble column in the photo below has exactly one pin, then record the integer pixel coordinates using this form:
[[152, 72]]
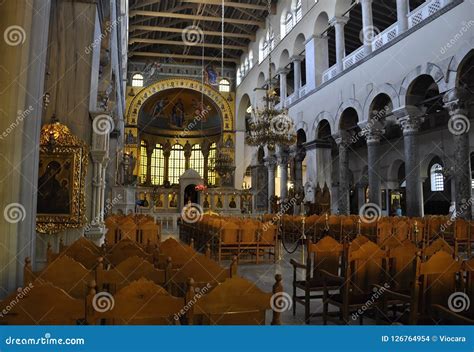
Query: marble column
[[373, 137], [296, 60], [283, 165], [205, 148], [149, 155], [403, 9], [298, 168], [343, 192], [338, 23], [166, 156], [283, 86], [456, 102], [187, 156], [410, 119], [368, 29], [270, 164]]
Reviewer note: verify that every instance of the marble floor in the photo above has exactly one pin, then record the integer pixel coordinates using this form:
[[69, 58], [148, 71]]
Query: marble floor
[[263, 275]]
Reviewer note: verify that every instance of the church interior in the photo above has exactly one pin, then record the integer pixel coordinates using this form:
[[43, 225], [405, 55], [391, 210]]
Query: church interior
[[236, 162]]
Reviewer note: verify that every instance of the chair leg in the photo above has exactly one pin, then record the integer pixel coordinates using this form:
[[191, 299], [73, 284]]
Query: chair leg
[[307, 306], [325, 313]]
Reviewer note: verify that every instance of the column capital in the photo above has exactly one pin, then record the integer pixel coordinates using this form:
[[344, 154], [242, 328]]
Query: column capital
[[283, 71], [339, 20], [283, 159], [296, 58], [456, 101], [373, 134], [316, 37], [409, 118], [366, 1], [343, 139], [270, 162]]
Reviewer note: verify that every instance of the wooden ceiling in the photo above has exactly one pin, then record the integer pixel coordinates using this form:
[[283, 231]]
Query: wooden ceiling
[[187, 30]]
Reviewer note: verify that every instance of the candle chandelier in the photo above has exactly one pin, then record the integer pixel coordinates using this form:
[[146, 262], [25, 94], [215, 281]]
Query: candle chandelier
[[271, 126]]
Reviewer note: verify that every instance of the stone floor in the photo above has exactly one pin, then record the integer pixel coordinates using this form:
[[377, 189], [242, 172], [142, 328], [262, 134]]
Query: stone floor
[[263, 275]]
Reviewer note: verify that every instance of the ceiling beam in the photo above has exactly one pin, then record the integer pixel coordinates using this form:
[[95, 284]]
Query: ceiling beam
[[233, 4], [196, 17], [180, 56], [180, 30], [181, 43]]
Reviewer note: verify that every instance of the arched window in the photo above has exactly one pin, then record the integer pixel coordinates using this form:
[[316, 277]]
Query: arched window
[[211, 174], [267, 45], [299, 10], [196, 162], [137, 80], [250, 59], [247, 65], [143, 162], [239, 76], [286, 23], [224, 86], [177, 164], [437, 179], [157, 166]]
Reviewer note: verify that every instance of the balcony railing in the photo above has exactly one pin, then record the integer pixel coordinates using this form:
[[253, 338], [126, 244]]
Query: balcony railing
[[426, 10], [354, 57], [385, 37], [330, 73]]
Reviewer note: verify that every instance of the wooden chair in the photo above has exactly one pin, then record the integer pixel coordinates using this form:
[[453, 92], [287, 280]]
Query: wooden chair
[[364, 269], [266, 243], [64, 273], [464, 300], [435, 280], [325, 255], [83, 251], [462, 236], [236, 301], [42, 303], [124, 249], [228, 240], [437, 245], [140, 303], [130, 270]]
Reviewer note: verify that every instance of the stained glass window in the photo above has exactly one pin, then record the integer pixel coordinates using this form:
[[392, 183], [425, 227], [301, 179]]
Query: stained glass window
[[177, 164], [157, 166], [143, 162], [196, 161], [211, 174]]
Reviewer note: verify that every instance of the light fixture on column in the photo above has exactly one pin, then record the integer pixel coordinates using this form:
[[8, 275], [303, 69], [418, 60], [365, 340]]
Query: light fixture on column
[[270, 126]]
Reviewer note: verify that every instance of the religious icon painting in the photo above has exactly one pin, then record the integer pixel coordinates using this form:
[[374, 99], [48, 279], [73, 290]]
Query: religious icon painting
[[61, 180]]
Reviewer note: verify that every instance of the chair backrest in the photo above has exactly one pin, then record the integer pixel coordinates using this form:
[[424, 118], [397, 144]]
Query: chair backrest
[[402, 266], [401, 230], [268, 234], [66, 274], [236, 301], [125, 249], [438, 245], [384, 231], [140, 303], [229, 233], [461, 230], [42, 303], [326, 255], [438, 278], [365, 268]]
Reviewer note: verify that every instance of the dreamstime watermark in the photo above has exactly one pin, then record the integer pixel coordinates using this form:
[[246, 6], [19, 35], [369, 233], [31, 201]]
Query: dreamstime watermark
[[192, 35], [108, 29], [103, 302], [14, 35], [464, 29], [14, 213], [459, 124], [368, 35], [108, 206], [370, 213], [103, 124], [377, 118], [192, 213], [466, 206], [459, 302], [199, 293], [201, 114], [21, 115], [281, 302], [284, 208], [370, 302], [22, 292], [45, 340]]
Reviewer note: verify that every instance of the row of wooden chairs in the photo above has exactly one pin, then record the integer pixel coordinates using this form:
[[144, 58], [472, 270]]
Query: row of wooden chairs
[[457, 232], [136, 227], [66, 292], [360, 276], [249, 239]]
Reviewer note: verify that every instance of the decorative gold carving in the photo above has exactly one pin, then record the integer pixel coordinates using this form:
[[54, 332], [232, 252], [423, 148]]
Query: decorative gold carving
[[67, 156]]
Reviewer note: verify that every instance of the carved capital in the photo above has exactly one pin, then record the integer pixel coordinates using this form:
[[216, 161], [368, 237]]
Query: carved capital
[[410, 119], [456, 101]]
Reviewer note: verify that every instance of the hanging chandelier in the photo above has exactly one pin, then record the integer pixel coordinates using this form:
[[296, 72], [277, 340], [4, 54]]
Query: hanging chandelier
[[271, 126]]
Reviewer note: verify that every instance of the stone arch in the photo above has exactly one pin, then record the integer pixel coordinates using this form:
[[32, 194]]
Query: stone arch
[[299, 44], [167, 84], [242, 112], [427, 69], [302, 126], [456, 65], [386, 89], [284, 59], [348, 104], [321, 23], [323, 115]]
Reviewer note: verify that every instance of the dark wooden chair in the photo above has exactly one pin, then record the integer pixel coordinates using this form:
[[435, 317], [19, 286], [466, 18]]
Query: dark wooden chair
[[435, 280], [325, 255], [364, 269]]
